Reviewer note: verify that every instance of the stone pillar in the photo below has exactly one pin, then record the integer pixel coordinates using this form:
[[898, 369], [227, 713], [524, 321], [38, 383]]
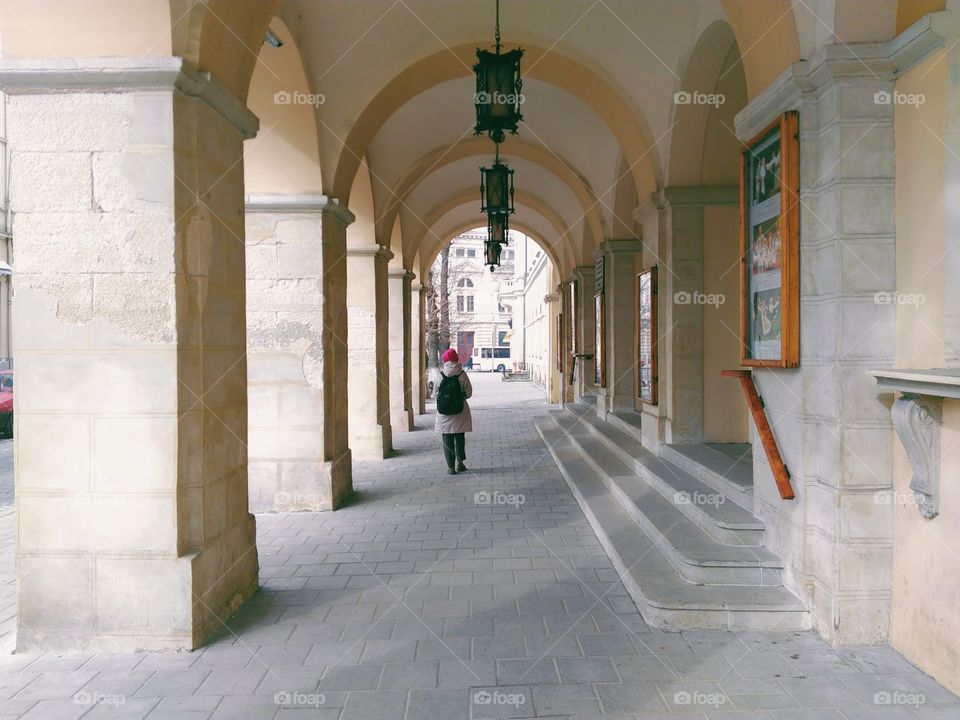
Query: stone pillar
[[401, 410], [336, 425], [417, 341], [585, 275], [369, 348], [834, 434], [619, 288], [566, 359], [554, 378], [288, 466], [131, 461], [683, 292]]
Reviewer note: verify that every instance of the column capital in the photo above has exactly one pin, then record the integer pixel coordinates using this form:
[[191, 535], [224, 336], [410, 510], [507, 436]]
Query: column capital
[[269, 203], [611, 247], [876, 63], [42, 76], [375, 251], [701, 195]]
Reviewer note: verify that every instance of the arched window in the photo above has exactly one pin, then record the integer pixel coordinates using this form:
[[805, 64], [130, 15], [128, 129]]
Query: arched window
[[464, 282]]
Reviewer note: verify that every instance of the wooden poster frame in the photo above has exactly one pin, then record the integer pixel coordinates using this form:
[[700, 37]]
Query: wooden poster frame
[[651, 398], [786, 128], [600, 365], [560, 354]]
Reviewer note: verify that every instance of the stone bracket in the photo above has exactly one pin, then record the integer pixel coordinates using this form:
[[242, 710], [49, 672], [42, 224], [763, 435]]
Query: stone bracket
[[916, 418]]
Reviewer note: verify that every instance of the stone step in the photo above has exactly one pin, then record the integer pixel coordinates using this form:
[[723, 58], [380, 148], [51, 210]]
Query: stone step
[[664, 599], [694, 554], [728, 473], [628, 422], [724, 521]]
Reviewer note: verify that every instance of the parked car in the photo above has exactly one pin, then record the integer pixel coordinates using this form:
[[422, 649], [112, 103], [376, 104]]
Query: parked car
[[6, 403]]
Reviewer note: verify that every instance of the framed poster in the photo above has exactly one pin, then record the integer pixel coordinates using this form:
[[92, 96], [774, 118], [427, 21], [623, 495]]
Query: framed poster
[[770, 247], [560, 342], [572, 310], [646, 336], [599, 356]]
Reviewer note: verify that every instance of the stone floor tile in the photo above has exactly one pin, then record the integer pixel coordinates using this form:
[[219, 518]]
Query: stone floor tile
[[439, 704], [566, 700], [380, 705]]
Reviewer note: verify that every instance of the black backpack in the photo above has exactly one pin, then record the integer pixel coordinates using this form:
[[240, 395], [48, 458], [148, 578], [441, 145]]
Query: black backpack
[[450, 395]]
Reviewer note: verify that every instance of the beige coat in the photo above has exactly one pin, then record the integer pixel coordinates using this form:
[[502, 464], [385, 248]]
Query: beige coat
[[461, 422]]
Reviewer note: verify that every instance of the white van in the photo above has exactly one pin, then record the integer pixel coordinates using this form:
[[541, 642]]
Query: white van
[[491, 358]]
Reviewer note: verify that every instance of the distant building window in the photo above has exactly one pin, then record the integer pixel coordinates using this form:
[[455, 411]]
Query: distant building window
[[464, 282], [465, 303], [502, 337], [459, 252], [469, 303], [471, 252]]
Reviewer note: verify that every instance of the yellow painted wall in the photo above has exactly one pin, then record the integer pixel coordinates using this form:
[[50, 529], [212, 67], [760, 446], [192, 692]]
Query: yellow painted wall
[[924, 623], [724, 408]]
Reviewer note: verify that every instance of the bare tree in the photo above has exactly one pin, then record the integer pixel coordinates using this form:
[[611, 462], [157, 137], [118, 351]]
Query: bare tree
[[443, 300], [432, 324]]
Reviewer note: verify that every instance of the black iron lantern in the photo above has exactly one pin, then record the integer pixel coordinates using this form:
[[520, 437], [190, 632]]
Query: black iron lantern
[[492, 254], [498, 229], [496, 188], [498, 93]]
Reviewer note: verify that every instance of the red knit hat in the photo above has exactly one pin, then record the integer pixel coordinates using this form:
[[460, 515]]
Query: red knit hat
[[451, 356]]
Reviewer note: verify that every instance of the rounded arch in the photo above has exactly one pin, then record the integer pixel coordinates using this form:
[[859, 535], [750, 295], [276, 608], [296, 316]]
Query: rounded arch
[[222, 37], [704, 145], [767, 36], [523, 198], [428, 258], [284, 158], [480, 147], [547, 65]]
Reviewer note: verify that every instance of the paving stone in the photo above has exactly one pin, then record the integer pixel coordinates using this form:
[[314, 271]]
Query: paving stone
[[440, 704]]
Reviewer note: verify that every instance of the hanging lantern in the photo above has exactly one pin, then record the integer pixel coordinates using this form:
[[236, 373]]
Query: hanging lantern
[[498, 92], [492, 254], [498, 228], [496, 188]]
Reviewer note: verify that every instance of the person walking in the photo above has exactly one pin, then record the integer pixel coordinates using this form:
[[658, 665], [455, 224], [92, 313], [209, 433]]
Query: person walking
[[453, 412]]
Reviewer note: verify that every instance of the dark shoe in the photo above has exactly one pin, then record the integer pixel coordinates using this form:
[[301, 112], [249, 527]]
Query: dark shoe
[[451, 471], [461, 467]]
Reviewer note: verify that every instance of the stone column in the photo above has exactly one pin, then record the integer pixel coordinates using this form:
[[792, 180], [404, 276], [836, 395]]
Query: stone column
[[336, 425], [368, 377], [585, 275], [619, 277], [834, 434], [131, 460], [288, 466], [683, 292], [554, 378], [401, 411], [417, 341], [566, 360]]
